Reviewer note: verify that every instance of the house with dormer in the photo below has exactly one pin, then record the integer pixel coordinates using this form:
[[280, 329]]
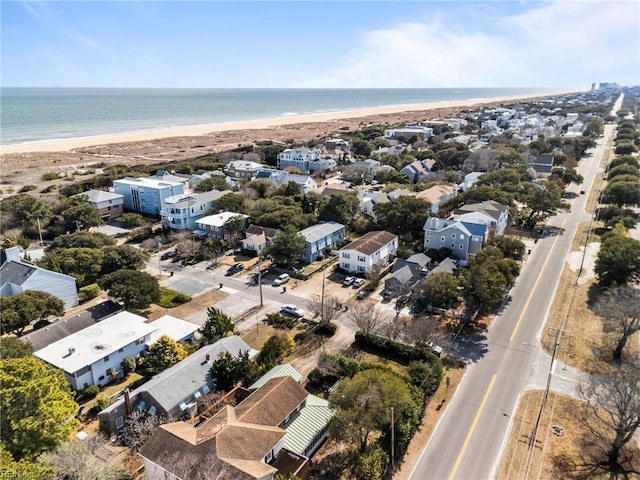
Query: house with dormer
[[493, 214]]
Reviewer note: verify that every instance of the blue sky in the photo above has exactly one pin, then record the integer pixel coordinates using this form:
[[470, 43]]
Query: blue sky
[[500, 43]]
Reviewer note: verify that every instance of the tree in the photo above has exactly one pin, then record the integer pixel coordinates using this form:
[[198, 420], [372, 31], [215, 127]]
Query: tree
[[366, 317], [217, 325], [364, 404], [19, 310], [372, 464], [622, 193], [623, 169], [611, 215], [620, 309], [275, 349], [84, 264], [441, 290], [341, 208], [162, 354], [124, 257], [82, 240], [78, 460], [11, 347], [593, 127], [234, 227], [287, 246], [425, 375], [212, 183], [229, 370], [24, 468], [484, 286], [23, 210], [541, 201], [325, 307], [403, 215], [129, 365], [138, 428], [37, 407], [74, 214], [134, 289], [131, 220], [278, 212], [510, 247], [618, 259], [612, 416], [231, 202], [426, 331]]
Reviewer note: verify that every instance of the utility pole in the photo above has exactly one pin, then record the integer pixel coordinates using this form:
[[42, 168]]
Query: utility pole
[[159, 259], [40, 232], [260, 282], [322, 300]]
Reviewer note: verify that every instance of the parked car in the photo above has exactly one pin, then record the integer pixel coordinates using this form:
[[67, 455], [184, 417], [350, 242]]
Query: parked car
[[281, 279], [168, 255], [235, 268], [292, 310], [348, 281], [358, 282]]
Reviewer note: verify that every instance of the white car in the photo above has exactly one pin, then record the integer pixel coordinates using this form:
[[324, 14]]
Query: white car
[[358, 282], [292, 310], [280, 279]]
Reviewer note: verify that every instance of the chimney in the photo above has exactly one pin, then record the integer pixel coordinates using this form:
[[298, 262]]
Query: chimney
[[71, 349], [127, 402], [207, 357]]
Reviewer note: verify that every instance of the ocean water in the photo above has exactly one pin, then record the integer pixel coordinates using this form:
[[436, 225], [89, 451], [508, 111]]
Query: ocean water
[[41, 114]]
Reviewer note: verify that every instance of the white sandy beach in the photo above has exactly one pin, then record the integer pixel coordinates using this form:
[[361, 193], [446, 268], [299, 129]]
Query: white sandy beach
[[68, 144]]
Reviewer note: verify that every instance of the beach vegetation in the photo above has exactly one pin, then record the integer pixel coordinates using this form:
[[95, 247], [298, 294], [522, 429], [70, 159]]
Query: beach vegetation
[[217, 325], [131, 220], [24, 210], [618, 260], [232, 202], [212, 183], [73, 214], [134, 289]]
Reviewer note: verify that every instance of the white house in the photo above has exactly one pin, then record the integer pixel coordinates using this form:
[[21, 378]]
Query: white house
[[373, 248], [243, 169], [258, 238], [214, 225], [108, 204], [423, 133], [181, 212], [88, 356], [305, 160], [174, 328], [17, 276]]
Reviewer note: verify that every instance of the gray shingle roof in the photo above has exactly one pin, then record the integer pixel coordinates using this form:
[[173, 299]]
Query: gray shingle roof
[[316, 232], [15, 273]]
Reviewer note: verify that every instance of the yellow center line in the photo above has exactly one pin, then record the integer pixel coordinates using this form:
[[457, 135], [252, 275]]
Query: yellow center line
[[535, 285], [473, 427]]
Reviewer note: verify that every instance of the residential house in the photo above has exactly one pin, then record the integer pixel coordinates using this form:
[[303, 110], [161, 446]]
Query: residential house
[[239, 169], [174, 328], [258, 238], [88, 356], [280, 177], [438, 194], [541, 164], [176, 390], [18, 275], [469, 181], [248, 441], [108, 205], [419, 131], [146, 195], [172, 176], [371, 166], [217, 226], [419, 169], [337, 144], [305, 160], [181, 212], [447, 265], [405, 273], [369, 198], [462, 238], [69, 325], [373, 248], [320, 238], [491, 213]]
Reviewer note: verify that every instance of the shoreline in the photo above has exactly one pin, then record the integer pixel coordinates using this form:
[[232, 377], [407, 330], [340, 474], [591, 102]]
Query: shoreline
[[69, 144]]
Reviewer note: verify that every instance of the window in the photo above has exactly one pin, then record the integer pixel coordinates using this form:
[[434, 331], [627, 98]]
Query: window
[[106, 359], [453, 236], [121, 350], [361, 258], [453, 245], [82, 371], [462, 236], [460, 247], [361, 269], [119, 422], [346, 266], [100, 378], [427, 241], [139, 341], [442, 239], [346, 255]]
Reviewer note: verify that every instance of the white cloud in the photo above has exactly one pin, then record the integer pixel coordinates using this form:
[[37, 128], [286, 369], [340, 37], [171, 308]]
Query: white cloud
[[551, 44]]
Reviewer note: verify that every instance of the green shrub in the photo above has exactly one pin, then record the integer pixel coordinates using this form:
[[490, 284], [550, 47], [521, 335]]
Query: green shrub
[[170, 298], [140, 234], [88, 292], [49, 189], [50, 176], [280, 321], [91, 391], [27, 188], [396, 350], [327, 329], [102, 402], [131, 220]]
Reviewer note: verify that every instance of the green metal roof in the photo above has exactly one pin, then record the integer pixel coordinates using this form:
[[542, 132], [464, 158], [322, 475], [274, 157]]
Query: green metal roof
[[304, 428], [285, 370]]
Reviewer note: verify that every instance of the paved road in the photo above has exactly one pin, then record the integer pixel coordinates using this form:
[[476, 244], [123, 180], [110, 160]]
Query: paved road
[[468, 440]]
